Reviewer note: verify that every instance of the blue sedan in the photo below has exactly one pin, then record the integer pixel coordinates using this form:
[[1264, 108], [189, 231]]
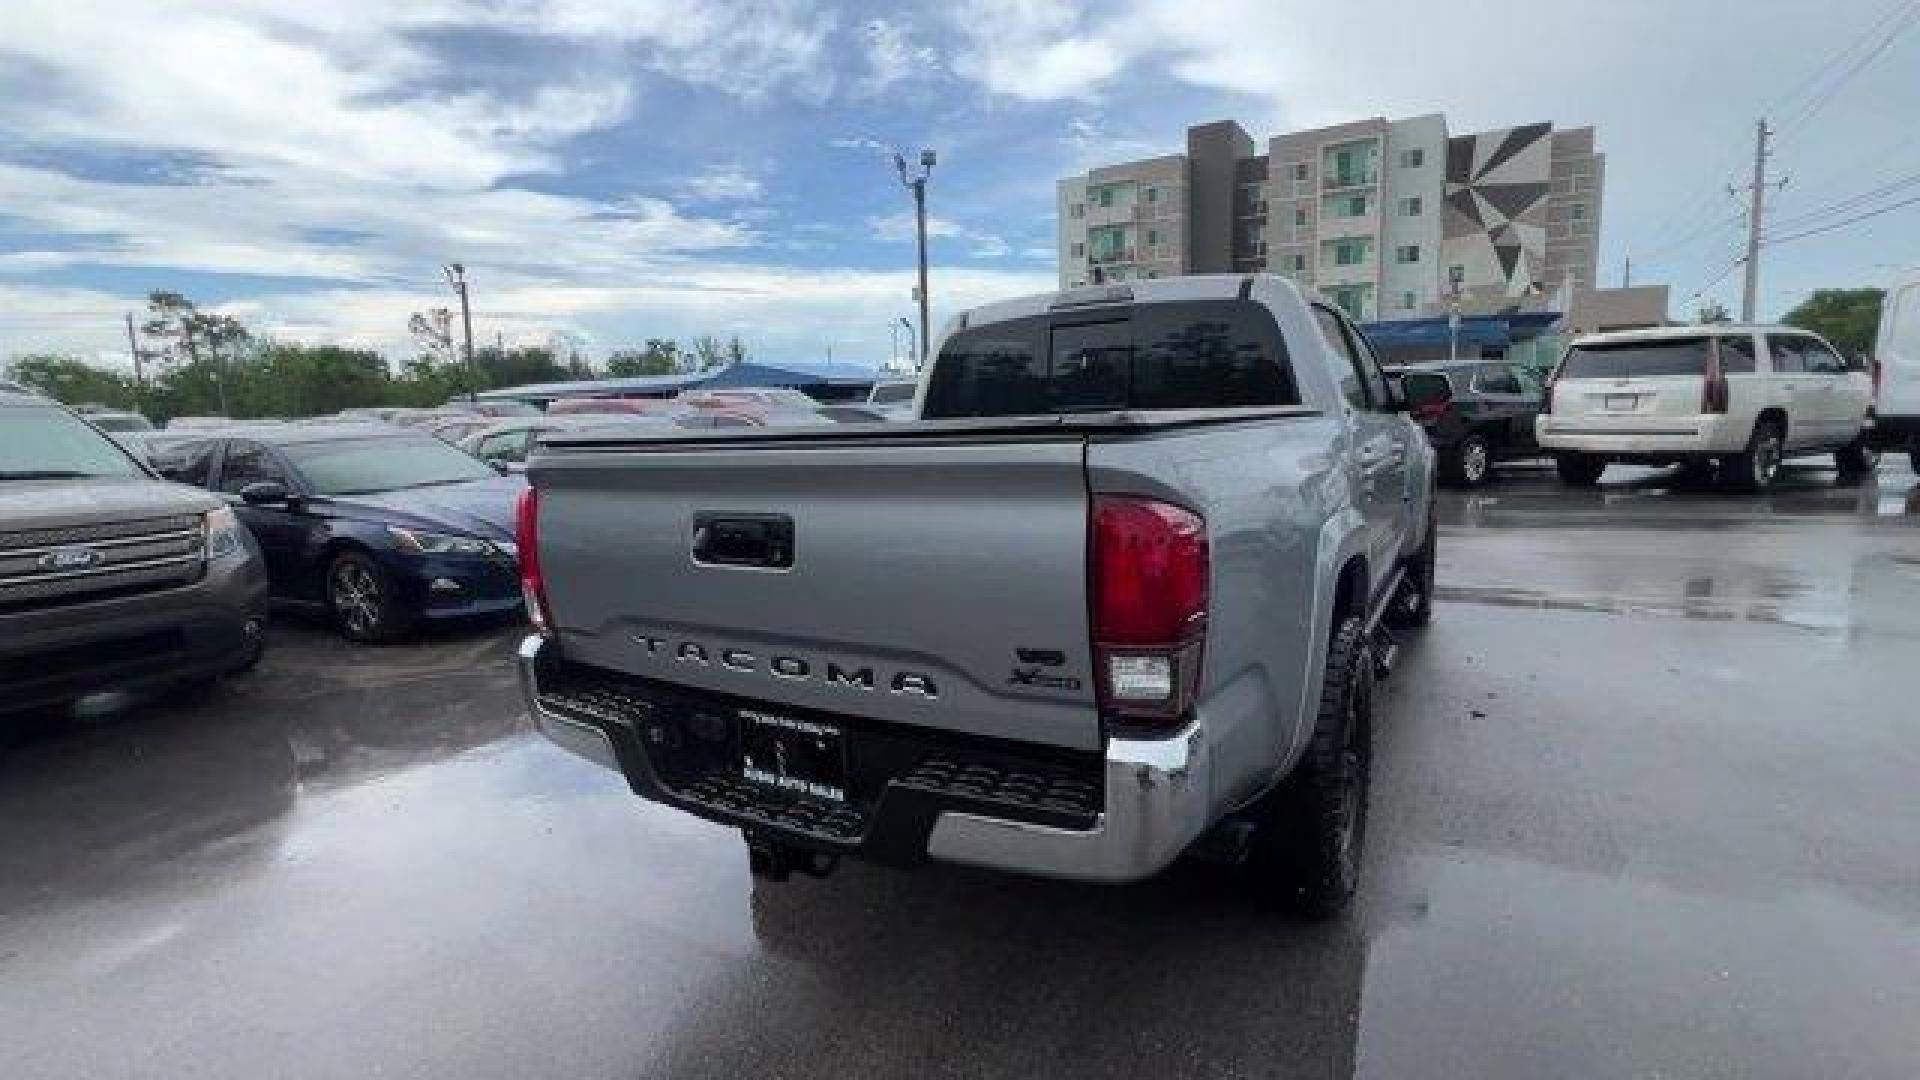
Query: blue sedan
[[382, 528]]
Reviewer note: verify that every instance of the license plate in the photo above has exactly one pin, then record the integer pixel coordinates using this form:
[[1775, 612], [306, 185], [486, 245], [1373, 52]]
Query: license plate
[[1622, 402], [803, 757]]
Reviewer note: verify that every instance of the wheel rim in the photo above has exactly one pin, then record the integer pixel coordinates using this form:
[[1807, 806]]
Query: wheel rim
[[356, 596], [1766, 460], [1473, 461]]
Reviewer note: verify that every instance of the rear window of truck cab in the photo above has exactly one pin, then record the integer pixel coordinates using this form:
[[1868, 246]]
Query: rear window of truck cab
[[1200, 354]]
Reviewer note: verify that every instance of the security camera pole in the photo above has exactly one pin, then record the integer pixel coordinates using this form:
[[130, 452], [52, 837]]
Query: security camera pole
[[457, 277], [917, 184]]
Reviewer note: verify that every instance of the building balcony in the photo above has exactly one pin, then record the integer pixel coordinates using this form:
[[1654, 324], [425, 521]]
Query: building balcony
[[1336, 181]]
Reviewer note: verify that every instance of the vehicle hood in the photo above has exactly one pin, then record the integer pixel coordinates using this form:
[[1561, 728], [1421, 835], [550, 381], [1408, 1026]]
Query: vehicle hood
[[482, 508], [59, 504]]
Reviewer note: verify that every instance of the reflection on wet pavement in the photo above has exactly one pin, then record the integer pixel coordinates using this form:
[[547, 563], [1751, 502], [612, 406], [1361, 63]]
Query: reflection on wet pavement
[[1643, 806]]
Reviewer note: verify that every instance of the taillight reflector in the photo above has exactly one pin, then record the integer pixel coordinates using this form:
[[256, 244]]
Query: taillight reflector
[[526, 536], [1150, 564]]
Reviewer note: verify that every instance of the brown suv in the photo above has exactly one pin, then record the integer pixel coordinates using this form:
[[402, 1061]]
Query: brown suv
[[112, 582]]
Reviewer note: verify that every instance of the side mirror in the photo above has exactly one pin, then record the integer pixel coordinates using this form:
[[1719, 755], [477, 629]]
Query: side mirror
[[1426, 393], [265, 493]]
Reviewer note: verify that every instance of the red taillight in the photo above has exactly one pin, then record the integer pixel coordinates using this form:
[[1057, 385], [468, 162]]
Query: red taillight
[[1150, 571], [1713, 392], [526, 537], [1430, 412]]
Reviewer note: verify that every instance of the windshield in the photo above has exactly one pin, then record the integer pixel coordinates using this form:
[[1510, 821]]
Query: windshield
[[52, 444], [364, 466], [1637, 359]]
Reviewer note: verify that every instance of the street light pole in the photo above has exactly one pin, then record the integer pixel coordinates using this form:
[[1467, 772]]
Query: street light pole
[[917, 184], [457, 277]]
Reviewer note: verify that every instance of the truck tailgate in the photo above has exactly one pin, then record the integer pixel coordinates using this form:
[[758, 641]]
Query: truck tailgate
[[938, 584]]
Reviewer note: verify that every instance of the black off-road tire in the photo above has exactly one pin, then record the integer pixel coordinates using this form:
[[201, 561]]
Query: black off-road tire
[[1756, 468], [1579, 470], [1857, 459], [1312, 829]]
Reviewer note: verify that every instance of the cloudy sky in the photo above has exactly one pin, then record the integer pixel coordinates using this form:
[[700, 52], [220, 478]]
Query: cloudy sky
[[612, 170]]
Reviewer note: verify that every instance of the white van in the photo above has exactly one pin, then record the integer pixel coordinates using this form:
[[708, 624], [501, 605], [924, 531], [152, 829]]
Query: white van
[[1741, 397], [1896, 372]]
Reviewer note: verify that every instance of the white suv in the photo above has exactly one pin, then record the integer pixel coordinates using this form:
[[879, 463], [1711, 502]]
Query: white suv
[[1742, 396]]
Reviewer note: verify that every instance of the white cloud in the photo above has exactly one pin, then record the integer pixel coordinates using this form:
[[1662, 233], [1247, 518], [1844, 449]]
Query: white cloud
[[892, 56], [894, 228], [726, 183], [792, 314]]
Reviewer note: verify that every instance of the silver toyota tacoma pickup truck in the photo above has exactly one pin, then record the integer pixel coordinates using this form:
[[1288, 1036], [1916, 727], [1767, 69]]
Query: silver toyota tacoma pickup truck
[[1119, 592]]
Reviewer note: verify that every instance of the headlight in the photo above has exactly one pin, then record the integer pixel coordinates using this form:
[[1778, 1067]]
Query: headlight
[[223, 533], [429, 543]]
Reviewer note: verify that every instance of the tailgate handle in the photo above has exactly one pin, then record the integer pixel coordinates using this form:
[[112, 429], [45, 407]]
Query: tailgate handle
[[757, 540]]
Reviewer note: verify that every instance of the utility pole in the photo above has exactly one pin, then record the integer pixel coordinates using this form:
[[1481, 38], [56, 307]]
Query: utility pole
[[1626, 274], [457, 277], [1756, 210], [139, 371], [917, 184]]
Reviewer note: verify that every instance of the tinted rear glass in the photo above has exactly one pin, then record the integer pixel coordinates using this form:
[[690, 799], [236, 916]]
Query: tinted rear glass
[[1637, 359], [1187, 355]]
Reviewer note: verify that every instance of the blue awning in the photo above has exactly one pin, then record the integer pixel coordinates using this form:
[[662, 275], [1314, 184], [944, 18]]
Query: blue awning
[[1482, 330]]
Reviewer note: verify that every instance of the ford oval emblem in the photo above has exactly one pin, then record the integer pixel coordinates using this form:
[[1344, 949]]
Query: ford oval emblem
[[69, 558]]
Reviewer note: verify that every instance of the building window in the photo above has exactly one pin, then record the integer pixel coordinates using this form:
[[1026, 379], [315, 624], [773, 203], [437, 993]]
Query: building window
[[1299, 263], [1299, 217], [1252, 234], [1300, 172], [1410, 206], [1413, 158], [1409, 301], [1079, 250], [1106, 196], [1407, 253], [1153, 237], [1456, 275], [1153, 273], [1351, 251], [1153, 194], [1078, 210], [1577, 211], [1350, 206]]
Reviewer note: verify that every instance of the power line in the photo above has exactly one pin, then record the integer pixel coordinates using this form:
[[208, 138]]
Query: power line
[[1903, 18], [1852, 202], [1843, 223], [1891, 13]]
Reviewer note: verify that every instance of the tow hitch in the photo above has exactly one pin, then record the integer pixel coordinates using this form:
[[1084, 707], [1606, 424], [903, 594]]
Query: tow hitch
[[775, 861]]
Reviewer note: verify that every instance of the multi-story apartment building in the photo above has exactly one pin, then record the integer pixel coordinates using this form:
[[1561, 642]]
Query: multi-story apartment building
[[1388, 219]]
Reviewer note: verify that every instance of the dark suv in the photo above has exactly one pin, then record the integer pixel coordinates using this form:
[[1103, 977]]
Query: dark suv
[[112, 582], [1476, 413]]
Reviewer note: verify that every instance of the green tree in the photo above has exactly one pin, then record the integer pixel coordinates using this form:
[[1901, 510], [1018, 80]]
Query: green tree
[[659, 357], [736, 352], [1848, 318], [707, 353], [74, 381]]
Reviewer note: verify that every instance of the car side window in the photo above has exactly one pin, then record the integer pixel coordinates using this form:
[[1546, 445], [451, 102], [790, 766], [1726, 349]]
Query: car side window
[[1786, 356], [1736, 355], [1370, 371], [189, 463], [504, 446], [1529, 380], [1496, 379], [1820, 358], [1347, 374], [249, 463]]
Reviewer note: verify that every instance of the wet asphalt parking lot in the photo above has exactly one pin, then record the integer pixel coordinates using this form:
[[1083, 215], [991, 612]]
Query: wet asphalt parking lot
[[1645, 805]]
